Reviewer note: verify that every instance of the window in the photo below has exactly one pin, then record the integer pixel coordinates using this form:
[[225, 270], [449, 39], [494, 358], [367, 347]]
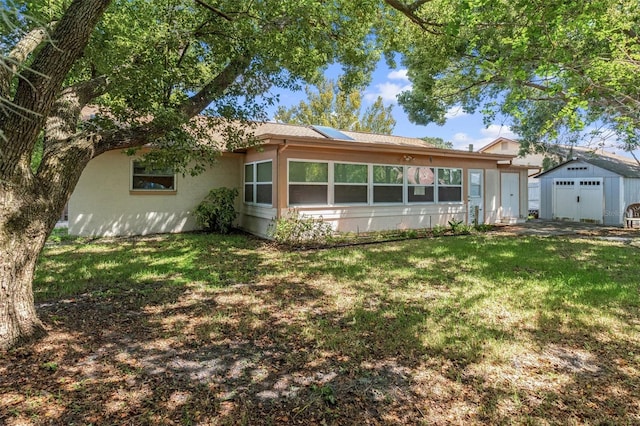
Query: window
[[152, 179], [308, 182], [249, 182], [338, 183], [387, 184], [420, 184], [350, 183], [258, 182], [449, 185], [475, 184]]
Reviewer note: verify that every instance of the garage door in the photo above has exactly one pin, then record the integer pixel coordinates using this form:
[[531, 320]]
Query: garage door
[[578, 200]]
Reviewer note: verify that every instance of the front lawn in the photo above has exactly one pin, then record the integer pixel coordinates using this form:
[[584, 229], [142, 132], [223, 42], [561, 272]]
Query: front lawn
[[201, 329]]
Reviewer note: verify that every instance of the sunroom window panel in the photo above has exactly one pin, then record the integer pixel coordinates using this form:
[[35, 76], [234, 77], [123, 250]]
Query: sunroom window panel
[[347, 194], [420, 194], [387, 194], [307, 194], [263, 193], [420, 176], [264, 171], [450, 176], [388, 174], [248, 172], [350, 173], [449, 193], [302, 171], [248, 193]]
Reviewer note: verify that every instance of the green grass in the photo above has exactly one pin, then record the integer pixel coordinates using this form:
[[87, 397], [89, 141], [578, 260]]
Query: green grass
[[460, 296], [467, 306], [118, 265]]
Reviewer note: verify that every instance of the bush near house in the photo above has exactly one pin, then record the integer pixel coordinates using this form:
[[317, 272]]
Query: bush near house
[[217, 211]]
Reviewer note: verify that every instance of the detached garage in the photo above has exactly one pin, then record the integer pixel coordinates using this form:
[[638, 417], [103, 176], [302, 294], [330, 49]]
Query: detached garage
[[590, 188]]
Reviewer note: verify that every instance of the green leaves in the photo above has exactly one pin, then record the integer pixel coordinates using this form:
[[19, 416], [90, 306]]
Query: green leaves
[[332, 107], [554, 68]]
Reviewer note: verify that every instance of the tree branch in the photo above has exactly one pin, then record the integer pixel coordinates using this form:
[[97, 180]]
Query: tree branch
[[62, 122], [42, 83], [215, 10], [148, 132], [216, 87], [409, 12], [9, 64]]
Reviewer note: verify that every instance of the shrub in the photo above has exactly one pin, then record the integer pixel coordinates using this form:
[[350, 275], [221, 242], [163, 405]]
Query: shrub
[[438, 230], [217, 211], [296, 229]]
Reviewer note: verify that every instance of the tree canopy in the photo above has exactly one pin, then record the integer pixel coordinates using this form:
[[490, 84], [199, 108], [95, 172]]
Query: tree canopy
[[145, 69], [330, 106], [556, 69], [438, 142]]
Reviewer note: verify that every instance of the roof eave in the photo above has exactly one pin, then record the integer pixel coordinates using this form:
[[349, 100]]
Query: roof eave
[[271, 139]]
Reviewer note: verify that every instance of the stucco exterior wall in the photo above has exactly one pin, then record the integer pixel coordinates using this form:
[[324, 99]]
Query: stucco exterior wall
[[102, 203], [381, 218], [375, 217]]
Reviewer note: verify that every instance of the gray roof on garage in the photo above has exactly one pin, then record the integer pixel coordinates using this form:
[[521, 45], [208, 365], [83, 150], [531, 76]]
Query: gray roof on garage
[[623, 166]]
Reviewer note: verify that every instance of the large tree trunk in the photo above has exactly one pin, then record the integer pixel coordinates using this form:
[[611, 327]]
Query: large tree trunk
[[31, 203], [28, 214], [18, 318], [23, 230]]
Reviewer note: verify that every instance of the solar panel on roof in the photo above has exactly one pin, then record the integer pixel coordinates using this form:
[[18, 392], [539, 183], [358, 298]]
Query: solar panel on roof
[[330, 132]]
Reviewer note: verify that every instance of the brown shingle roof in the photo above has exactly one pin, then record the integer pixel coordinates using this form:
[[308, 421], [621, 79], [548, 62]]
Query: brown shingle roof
[[293, 131]]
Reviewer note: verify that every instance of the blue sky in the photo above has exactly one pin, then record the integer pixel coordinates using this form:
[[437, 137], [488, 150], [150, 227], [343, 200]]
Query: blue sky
[[461, 129]]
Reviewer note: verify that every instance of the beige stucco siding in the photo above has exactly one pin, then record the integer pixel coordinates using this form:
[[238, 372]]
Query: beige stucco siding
[[380, 217], [102, 203]]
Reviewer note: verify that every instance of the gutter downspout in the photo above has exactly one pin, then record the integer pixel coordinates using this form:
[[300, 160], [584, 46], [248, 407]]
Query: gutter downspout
[[283, 147]]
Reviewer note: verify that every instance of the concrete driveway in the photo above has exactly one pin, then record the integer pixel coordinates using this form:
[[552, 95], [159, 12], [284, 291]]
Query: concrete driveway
[[544, 228]]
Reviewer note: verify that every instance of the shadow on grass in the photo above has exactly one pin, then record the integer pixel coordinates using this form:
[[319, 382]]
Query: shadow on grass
[[204, 329]]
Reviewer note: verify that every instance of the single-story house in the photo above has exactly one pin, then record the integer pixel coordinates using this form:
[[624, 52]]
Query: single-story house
[[590, 187], [358, 182]]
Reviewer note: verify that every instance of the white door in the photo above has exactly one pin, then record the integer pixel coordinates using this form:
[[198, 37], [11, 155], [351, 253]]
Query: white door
[[590, 200], [565, 206], [475, 200], [510, 194], [578, 200]]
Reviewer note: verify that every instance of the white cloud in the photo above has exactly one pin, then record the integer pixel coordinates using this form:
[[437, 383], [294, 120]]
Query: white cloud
[[398, 75], [455, 112], [461, 138], [389, 90], [488, 135]]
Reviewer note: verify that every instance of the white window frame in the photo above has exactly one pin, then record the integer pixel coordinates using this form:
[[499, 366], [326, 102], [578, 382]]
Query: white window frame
[[438, 185], [330, 184], [403, 185], [132, 175], [254, 184]]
